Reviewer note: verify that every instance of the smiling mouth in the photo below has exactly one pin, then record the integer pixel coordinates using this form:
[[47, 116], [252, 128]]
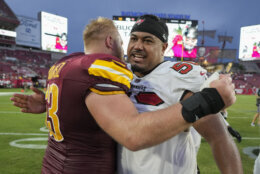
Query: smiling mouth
[[137, 57]]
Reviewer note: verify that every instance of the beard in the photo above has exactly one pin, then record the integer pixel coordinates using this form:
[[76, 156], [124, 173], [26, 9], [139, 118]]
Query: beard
[[136, 68]]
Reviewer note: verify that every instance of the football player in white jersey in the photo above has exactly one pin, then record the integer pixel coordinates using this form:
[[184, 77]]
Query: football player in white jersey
[[158, 84]]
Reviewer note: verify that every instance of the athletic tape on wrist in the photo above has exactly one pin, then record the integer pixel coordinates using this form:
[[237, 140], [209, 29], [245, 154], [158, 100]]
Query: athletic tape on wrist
[[203, 103]]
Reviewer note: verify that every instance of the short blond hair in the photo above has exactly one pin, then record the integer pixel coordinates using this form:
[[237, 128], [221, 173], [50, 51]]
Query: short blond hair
[[98, 29]]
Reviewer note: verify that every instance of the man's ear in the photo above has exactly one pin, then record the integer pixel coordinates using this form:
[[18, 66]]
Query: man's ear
[[109, 41], [164, 47]]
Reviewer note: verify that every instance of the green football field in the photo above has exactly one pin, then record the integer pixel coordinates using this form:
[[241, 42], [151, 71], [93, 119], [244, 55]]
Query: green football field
[[23, 137]]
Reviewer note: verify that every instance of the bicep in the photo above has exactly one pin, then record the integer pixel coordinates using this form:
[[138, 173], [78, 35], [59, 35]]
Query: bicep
[[110, 111]]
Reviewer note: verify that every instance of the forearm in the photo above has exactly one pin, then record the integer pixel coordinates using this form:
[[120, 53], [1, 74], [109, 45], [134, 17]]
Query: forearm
[[225, 152], [227, 156], [120, 119], [169, 122], [151, 128]]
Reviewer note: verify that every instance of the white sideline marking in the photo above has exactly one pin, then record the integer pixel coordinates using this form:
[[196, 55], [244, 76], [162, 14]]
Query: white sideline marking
[[7, 93], [18, 143], [15, 143], [44, 129], [250, 138], [10, 133], [239, 117], [11, 93]]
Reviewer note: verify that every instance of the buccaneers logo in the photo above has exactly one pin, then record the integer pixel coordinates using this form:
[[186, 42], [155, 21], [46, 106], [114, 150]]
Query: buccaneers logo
[[138, 22]]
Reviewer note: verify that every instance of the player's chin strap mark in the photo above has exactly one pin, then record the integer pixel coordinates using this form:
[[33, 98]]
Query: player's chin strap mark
[[203, 103]]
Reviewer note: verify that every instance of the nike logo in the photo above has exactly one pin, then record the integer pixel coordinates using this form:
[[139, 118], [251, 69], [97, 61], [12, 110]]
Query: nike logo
[[202, 73]]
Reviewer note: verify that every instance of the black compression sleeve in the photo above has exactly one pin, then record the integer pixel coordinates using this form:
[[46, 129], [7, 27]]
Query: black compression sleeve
[[203, 103]]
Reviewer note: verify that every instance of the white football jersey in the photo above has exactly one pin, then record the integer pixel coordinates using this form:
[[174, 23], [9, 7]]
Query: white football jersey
[[161, 88]]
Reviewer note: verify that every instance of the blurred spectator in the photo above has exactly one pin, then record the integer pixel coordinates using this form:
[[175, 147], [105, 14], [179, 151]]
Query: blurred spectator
[[257, 115]]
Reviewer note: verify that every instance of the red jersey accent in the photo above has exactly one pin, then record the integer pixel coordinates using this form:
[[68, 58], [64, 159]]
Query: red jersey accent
[[148, 98]]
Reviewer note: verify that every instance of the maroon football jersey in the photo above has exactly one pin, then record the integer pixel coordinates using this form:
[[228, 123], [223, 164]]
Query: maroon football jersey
[[76, 143]]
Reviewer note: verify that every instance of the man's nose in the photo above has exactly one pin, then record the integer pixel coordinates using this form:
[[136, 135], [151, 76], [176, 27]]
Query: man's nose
[[139, 45]]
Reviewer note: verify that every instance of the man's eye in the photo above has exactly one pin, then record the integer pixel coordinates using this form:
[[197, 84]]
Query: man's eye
[[148, 41]]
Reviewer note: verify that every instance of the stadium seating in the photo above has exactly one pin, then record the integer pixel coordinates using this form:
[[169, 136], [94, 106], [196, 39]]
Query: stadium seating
[[246, 83], [22, 63]]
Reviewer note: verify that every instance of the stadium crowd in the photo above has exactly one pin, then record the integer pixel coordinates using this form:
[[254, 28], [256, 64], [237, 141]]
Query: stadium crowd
[[19, 69], [22, 68]]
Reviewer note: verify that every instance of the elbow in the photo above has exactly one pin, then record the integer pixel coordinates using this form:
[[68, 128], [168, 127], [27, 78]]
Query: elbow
[[134, 143]]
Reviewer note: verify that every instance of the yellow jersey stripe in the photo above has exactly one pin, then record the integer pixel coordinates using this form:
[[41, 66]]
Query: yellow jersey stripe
[[110, 70], [123, 65], [106, 92], [114, 66], [106, 73]]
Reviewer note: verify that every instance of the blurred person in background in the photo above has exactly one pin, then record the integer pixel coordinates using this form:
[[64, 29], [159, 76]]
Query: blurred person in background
[[257, 115], [257, 165]]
